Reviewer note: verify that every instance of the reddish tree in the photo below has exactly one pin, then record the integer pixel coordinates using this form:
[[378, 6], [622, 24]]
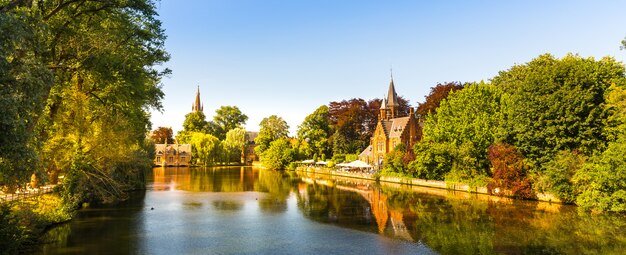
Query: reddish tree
[[509, 172], [437, 94], [161, 133]]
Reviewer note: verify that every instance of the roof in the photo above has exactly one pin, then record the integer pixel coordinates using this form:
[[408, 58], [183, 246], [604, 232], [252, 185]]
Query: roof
[[392, 97], [393, 128], [252, 135], [367, 152]]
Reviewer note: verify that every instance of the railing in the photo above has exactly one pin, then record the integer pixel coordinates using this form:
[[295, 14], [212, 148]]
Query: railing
[[23, 194]]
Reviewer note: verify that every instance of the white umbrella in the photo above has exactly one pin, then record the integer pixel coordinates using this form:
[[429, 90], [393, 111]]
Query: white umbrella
[[358, 164]]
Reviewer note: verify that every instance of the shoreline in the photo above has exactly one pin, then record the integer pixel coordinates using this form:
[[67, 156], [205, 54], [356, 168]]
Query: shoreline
[[542, 197]]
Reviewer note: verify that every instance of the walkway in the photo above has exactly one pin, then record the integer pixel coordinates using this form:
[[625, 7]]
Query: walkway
[[26, 194]]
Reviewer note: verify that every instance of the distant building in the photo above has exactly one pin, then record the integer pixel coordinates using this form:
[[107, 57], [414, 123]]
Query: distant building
[[197, 106], [172, 154], [391, 130], [249, 155]]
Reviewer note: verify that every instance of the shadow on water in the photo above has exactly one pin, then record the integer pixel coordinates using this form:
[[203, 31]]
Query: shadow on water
[[261, 201], [95, 223]]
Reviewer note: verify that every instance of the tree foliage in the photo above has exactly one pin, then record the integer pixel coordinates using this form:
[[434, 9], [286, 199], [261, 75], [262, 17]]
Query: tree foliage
[[509, 172], [315, 131], [162, 135], [206, 148], [227, 118], [84, 75], [461, 130], [272, 129], [278, 155], [235, 142], [556, 104], [438, 93]]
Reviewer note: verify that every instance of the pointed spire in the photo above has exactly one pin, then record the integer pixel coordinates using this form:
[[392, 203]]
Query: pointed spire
[[392, 97], [197, 106], [383, 104]]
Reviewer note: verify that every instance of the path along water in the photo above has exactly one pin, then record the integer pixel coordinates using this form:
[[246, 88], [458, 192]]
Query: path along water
[[244, 210]]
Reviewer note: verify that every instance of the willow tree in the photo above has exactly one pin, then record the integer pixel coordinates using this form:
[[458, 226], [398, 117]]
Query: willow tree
[[102, 56]]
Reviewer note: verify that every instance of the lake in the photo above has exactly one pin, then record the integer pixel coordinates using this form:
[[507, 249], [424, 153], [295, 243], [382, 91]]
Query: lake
[[247, 210]]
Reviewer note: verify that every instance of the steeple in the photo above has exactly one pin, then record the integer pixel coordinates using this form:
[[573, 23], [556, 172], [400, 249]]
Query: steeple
[[392, 99], [197, 106]]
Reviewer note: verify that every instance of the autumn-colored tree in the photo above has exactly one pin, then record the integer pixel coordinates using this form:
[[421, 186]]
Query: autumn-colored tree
[[509, 172], [162, 134], [437, 94], [354, 122]]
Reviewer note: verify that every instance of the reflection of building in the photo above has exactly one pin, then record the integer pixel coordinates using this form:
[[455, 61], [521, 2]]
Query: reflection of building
[[249, 156], [391, 129], [172, 154]]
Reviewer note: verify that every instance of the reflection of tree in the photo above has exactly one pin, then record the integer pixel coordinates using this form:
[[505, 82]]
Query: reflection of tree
[[114, 222], [332, 205], [227, 205], [278, 186]]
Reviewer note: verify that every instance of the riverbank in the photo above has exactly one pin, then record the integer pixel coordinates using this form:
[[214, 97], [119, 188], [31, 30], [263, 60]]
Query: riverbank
[[417, 182], [23, 221]]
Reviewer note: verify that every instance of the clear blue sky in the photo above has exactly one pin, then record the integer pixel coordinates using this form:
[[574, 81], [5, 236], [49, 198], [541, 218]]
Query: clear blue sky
[[289, 57]]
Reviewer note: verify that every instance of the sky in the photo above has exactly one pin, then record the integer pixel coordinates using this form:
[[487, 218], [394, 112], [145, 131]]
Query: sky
[[287, 58]]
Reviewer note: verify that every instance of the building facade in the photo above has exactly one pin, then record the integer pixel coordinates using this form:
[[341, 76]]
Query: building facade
[[391, 130], [172, 154]]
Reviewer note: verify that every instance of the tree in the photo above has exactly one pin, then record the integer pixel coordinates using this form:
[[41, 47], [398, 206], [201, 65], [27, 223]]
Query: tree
[[315, 131], [272, 128], [278, 155], [24, 80], [509, 172], [226, 119], [206, 148], [602, 180], [90, 115], [235, 143], [437, 94], [556, 104], [465, 126], [195, 122], [162, 135]]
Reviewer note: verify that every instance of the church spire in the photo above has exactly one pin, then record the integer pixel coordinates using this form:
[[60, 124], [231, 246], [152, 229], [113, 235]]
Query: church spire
[[392, 100], [197, 106]]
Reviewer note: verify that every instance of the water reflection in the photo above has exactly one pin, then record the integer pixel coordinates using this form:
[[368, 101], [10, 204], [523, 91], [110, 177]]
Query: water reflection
[[213, 209]]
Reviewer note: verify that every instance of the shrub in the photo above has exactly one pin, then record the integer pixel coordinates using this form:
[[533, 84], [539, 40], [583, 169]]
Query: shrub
[[558, 175], [509, 172], [602, 180]]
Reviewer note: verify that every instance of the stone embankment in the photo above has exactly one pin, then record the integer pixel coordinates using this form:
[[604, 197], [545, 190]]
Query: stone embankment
[[416, 182]]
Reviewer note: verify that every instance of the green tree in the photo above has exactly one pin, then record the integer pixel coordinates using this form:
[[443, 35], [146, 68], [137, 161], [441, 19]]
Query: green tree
[[272, 129], [227, 118], [206, 148], [195, 122], [24, 81], [602, 180], [235, 143], [556, 104], [315, 131], [278, 155], [102, 58], [465, 125]]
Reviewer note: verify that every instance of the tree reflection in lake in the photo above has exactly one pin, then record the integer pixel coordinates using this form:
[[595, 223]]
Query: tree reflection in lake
[[201, 209], [452, 223]]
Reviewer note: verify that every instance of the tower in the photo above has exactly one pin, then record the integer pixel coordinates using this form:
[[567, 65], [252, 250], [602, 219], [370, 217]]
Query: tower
[[197, 106], [392, 101]]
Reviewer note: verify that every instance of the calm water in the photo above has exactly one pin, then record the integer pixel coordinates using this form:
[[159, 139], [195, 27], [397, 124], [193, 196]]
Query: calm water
[[250, 211]]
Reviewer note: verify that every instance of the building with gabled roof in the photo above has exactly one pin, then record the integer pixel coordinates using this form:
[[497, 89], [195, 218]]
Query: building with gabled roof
[[172, 154], [391, 129]]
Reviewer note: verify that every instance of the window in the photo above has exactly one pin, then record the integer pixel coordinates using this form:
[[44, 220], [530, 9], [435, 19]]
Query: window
[[158, 160], [182, 159], [171, 159]]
